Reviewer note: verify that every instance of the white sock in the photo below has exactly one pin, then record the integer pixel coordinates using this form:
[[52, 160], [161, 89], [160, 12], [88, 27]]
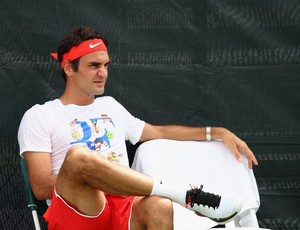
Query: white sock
[[176, 193]]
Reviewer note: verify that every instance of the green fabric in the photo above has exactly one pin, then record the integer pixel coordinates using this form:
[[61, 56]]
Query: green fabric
[[33, 203]]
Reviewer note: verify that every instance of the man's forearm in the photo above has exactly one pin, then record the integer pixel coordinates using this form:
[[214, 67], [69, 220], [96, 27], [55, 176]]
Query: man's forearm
[[188, 133], [43, 189]]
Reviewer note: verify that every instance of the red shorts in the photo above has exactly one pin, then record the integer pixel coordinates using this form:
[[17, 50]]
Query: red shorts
[[115, 215]]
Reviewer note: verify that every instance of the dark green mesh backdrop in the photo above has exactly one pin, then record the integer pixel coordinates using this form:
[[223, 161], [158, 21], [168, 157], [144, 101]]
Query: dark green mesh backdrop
[[231, 63]]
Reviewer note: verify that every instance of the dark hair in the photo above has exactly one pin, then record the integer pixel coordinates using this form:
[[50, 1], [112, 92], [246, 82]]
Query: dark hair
[[75, 37]]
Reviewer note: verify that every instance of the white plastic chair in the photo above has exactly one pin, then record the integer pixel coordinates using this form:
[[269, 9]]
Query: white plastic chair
[[177, 160]]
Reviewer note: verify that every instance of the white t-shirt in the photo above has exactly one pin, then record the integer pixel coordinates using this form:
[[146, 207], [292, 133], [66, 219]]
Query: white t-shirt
[[103, 126]]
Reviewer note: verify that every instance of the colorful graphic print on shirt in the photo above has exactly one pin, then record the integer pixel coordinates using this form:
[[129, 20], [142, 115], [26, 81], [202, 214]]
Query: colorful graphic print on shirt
[[97, 133]]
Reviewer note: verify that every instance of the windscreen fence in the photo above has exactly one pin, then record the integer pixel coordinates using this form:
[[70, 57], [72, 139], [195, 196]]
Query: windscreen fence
[[230, 63]]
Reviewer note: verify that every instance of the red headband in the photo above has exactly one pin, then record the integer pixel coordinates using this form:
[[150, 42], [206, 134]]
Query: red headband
[[83, 48]]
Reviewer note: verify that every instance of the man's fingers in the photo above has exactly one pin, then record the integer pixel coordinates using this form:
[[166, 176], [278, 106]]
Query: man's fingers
[[251, 159], [237, 154]]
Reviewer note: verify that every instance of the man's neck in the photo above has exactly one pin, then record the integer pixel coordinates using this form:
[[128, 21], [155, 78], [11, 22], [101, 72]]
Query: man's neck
[[76, 100]]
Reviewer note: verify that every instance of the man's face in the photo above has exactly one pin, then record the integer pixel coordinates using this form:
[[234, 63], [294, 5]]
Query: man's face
[[92, 73]]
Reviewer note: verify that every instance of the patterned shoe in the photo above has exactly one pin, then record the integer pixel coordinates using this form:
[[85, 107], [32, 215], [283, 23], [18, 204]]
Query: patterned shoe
[[219, 208]]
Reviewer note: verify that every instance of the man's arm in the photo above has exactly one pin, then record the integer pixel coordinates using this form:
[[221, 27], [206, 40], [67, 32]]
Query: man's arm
[[233, 143], [40, 174]]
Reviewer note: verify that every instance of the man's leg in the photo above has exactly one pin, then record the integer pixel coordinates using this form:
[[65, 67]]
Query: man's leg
[[152, 212], [85, 174]]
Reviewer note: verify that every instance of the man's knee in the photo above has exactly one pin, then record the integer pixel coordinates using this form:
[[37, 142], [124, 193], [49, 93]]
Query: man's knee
[[153, 212], [160, 210], [77, 160], [164, 207], [74, 156]]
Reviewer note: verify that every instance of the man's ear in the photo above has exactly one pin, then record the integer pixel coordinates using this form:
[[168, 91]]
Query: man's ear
[[68, 68]]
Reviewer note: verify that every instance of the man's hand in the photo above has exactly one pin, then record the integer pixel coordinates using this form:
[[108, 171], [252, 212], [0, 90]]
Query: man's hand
[[238, 147]]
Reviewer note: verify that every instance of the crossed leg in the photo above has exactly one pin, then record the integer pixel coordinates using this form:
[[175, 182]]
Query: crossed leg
[[85, 175]]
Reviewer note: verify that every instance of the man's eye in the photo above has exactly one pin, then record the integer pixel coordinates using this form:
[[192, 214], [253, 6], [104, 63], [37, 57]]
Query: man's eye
[[94, 66]]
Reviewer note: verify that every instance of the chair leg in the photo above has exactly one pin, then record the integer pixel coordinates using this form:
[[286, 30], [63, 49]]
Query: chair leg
[[230, 225], [254, 218], [36, 220]]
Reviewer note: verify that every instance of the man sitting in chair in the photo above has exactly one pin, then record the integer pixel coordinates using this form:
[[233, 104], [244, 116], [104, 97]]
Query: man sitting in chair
[[75, 151]]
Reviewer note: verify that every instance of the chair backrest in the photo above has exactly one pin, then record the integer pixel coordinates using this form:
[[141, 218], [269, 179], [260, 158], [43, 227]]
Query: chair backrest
[[34, 204]]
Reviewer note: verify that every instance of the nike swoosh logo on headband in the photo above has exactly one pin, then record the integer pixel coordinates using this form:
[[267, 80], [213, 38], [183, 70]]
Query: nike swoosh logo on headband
[[94, 45]]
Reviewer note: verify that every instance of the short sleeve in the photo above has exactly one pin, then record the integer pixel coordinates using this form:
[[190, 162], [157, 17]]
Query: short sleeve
[[33, 134], [133, 126]]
